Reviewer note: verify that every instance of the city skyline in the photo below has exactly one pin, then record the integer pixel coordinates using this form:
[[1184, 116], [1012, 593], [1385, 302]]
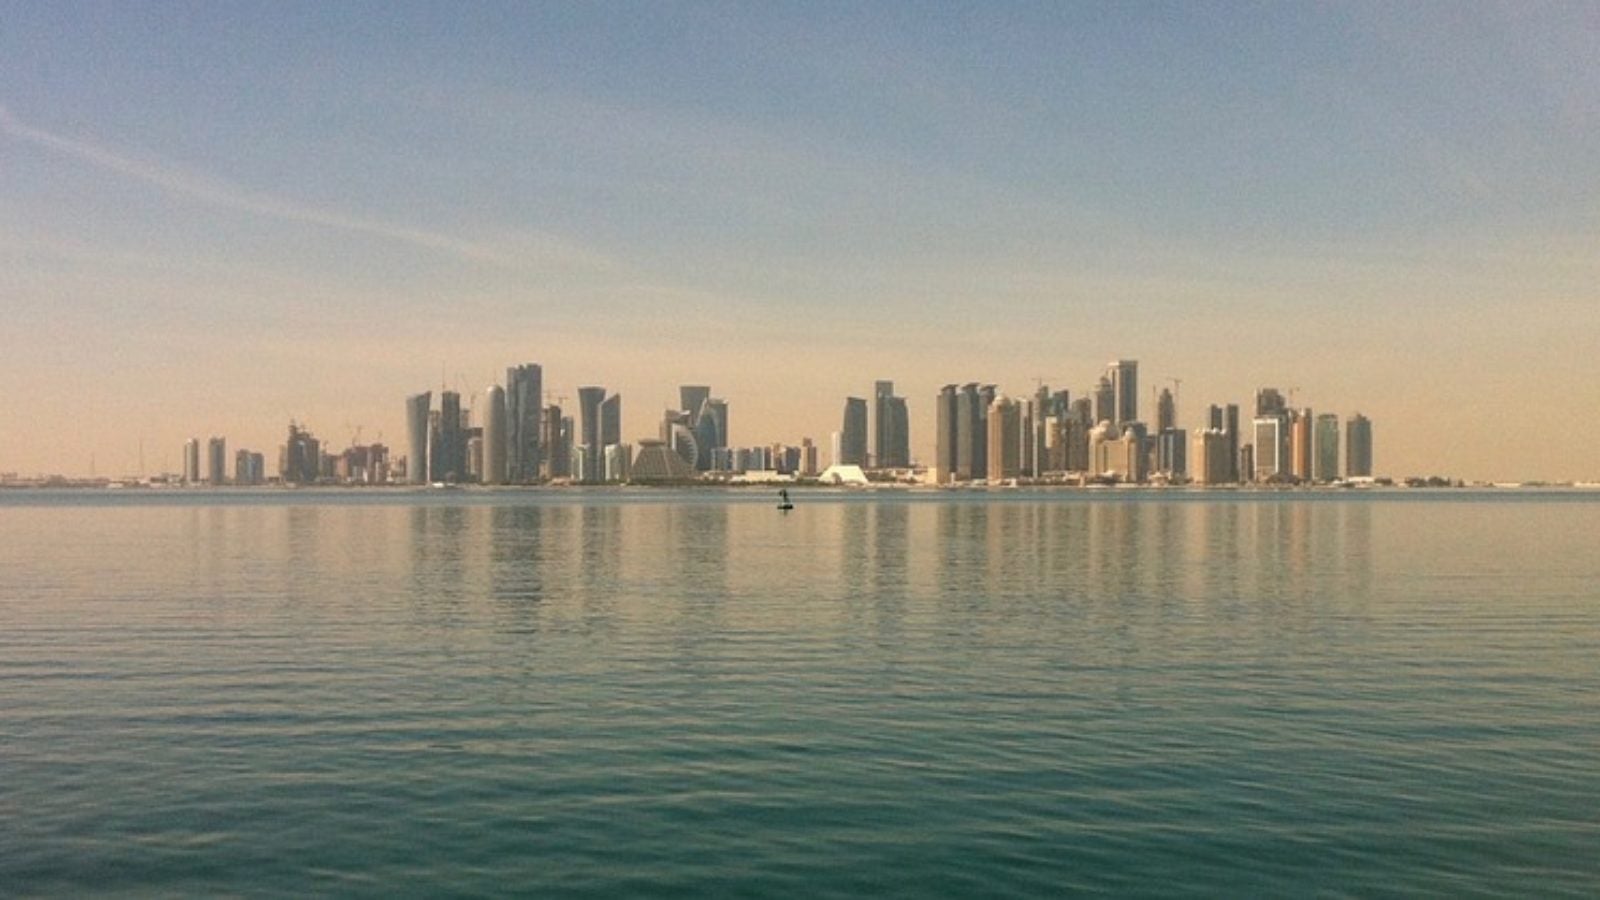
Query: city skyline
[[214, 220], [980, 435]]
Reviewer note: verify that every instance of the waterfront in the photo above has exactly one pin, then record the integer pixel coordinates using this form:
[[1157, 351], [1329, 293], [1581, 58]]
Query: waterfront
[[687, 692]]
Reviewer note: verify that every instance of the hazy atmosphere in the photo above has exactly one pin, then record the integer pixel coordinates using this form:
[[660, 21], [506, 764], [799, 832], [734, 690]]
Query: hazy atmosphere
[[218, 217]]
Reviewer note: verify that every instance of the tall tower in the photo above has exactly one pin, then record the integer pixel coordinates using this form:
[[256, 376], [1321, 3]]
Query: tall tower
[[191, 461], [972, 439], [1105, 401], [853, 433], [217, 461], [589, 400], [693, 397], [452, 464], [710, 430], [1358, 447], [525, 429], [1325, 466], [1300, 451], [1124, 376], [417, 406], [1004, 433], [495, 440], [944, 425], [611, 421], [1166, 412], [890, 438]]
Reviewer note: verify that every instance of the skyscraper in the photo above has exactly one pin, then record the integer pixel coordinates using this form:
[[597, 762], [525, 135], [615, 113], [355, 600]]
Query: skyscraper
[[853, 433], [891, 446], [1231, 424], [524, 427], [1326, 439], [450, 465], [1271, 448], [1213, 464], [1358, 447], [217, 461], [417, 406], [1105, 401], [611, 421], [945, 435], [1300, 444], [1004, 426], [1124, 375], [710, 430], [693, 397], [1166, 411], [1270, 403], [971, 437], [496, 442], [191, 461], [552, 444], [589, 400]]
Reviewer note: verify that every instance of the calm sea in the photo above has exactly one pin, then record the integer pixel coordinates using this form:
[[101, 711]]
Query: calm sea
[[665, 693]]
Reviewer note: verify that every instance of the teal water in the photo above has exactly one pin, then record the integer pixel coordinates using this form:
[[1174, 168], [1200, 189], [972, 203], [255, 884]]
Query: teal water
[[607, 694]]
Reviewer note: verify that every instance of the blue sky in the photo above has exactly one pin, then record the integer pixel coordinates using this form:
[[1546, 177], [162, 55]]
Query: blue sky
[[214, 216]]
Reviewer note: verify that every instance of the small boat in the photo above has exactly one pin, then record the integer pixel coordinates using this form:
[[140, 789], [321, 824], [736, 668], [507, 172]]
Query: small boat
[[783, 500]]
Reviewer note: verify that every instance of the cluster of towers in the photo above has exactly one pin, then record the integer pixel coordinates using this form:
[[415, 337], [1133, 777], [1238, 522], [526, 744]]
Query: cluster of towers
[[520, 435], [520, 440], [891, 431], [985, 435], [302, 459]]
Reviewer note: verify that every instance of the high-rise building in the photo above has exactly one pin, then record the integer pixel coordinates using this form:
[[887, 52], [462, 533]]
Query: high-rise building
[[1172, 452], [449, 463], [217, 461], [1326, 438], [554, 443], [611, 420], [618, 462], [524, 427], [1166, 412], [1105, 401], [891, 444], [191, 461], [945, 435], [971, 436], [1124, 376], [496, 440], [683, 442], [1231, 423], [808, 458], [1300, 444], [1004, 426], [710, 429], [249, 468], [693, 397], [1358, 447], [1212, 462], [1270, 403], [593, 452], [300, 459], [853, 433], [1271, 448], [417, 406]]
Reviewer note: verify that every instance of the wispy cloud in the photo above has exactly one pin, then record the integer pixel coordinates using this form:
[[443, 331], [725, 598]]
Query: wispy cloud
[[218, 192]]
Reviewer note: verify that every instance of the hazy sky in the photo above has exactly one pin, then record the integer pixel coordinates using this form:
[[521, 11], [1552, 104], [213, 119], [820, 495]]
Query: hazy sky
[[217, 216]]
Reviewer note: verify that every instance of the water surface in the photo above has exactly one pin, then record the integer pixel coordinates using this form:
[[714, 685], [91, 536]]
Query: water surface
[[607, 693]]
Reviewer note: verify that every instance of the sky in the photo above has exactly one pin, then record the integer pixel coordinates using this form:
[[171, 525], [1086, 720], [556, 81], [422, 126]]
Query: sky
[[216, 217]]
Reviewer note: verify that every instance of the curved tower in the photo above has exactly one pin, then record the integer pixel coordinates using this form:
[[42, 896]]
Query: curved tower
[[495, 439]]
